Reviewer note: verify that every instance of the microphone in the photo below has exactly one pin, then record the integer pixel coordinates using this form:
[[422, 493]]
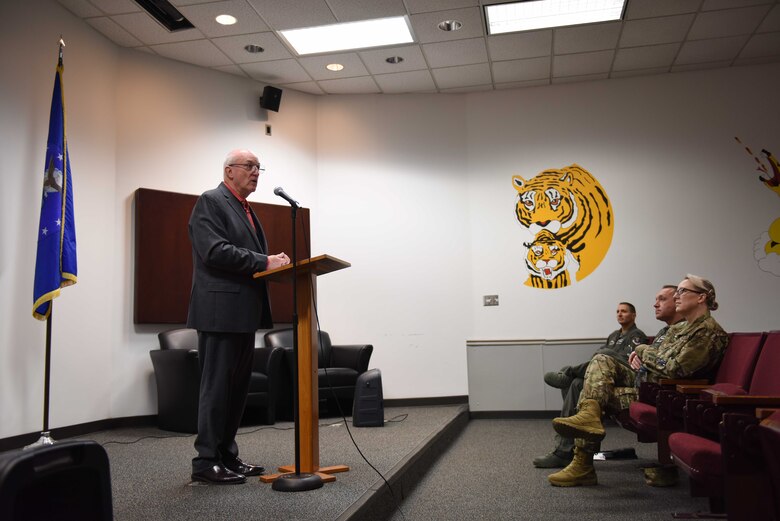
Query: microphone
[[284, 195]]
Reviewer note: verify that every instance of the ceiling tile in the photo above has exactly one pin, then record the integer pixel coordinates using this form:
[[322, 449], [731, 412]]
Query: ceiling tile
[[771, 22], [582, 64], [352, 10], [650, 8], [583, 77], [697, 66], [652, 31], [521, 70], [425, 6], [315, 66], [520, 84], [81, 8], [710, 5], [412, 81], [426, 26], [462, 90], [276, 72], [646, 57], [456, 52], [729, 22], [189, 2], [203, 17], [233, 47], [757, 60], [638, 72], [294, 15], [376, 60], [720, 49], [362, 85], [114, 32], [116, 6], [232, 69], [198, 52], [764, 44], [513, 46], [146, 29], [307, 86], [462, 76], [586, 38]]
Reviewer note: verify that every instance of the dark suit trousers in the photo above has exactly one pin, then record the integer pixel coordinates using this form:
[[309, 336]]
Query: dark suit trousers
[[226, 366]]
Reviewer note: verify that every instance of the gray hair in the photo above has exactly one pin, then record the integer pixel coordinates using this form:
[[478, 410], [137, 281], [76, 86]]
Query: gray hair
[[706, 287], [233, 156]]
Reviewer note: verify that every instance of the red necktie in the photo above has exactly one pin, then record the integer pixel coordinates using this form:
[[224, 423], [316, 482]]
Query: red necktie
[[245, 204]]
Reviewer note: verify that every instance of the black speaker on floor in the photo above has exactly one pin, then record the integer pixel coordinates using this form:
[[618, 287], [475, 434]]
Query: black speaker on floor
[[67, 481], [368, 409], [271, 99]]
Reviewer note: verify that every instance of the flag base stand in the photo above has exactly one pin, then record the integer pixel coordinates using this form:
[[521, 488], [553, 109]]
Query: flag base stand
[[45, 439], [297, 482]]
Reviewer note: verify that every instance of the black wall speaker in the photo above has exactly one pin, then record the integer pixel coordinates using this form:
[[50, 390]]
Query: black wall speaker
[[271, 99], [69, 480], [368, 409]]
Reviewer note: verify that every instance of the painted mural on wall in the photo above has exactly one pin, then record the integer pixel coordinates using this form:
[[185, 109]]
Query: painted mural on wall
[[567, 221], [766, 247]]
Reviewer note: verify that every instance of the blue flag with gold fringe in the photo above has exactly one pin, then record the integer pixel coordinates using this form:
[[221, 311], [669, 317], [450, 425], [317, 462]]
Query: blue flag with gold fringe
[[55, 264]]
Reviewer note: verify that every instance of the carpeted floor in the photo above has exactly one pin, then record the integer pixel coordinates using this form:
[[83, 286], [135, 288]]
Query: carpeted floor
[[487, 474]]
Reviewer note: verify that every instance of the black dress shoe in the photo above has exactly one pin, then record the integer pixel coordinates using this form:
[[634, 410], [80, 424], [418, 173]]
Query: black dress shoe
[[246, 469], [218, 475]]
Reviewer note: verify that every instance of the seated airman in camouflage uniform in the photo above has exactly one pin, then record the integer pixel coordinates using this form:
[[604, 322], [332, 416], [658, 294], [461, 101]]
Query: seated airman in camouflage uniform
[[691, 349], [570, 380]]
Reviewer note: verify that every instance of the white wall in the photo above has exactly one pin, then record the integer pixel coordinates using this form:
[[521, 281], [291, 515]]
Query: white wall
[[414, 190]]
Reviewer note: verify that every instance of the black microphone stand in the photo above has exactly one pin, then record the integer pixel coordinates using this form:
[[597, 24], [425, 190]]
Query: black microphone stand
[[296, 482]]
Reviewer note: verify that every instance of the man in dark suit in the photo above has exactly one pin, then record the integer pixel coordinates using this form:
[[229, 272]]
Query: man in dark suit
[[227, 306]]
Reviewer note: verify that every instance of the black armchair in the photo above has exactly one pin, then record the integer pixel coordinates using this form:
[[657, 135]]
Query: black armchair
[[177, 372], [338, 369]]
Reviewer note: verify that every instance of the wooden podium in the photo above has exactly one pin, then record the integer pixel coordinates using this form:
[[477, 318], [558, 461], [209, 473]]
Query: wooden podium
[[308, 433]]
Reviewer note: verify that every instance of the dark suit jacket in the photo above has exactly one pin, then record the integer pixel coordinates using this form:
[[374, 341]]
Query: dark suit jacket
[[226, 251]]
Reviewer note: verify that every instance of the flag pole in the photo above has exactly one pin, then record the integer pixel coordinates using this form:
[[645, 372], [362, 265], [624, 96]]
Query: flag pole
[[45, 437]]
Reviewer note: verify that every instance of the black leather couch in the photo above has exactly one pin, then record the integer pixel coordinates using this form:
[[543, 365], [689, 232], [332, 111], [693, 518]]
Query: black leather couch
[[177, 372], [338, 369]]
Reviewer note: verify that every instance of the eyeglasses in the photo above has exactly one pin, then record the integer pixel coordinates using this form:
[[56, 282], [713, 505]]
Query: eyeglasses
[[682, 291], [251, 167]]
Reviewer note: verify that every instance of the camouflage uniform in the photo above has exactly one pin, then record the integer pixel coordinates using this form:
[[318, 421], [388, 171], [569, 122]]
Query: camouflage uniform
[[680, 351], [691, 351], [618, 346]]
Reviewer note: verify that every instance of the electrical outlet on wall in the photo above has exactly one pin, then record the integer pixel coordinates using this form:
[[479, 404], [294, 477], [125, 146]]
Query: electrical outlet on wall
[[490, 300]]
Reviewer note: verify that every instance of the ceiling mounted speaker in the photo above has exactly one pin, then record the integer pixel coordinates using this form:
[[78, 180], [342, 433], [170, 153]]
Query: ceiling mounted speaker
[[271, 99]]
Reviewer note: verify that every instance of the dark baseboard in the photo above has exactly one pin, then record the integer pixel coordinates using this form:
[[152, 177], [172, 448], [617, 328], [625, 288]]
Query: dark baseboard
[[514, 415], [426, 402], [22, 440]]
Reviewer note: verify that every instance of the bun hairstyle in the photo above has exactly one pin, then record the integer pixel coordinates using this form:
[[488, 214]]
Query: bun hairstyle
[[707, 289]]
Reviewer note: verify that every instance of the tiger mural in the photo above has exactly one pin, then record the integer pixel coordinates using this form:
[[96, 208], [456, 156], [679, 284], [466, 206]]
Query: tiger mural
[[573, 206], [550, 264]]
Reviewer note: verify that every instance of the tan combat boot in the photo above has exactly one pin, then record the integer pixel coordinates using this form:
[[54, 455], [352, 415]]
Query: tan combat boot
[[580, 471], [586, 424]]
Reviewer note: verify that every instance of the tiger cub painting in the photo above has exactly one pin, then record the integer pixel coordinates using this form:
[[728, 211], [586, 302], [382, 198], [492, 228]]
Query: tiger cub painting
[[550, 265], [571, 206]]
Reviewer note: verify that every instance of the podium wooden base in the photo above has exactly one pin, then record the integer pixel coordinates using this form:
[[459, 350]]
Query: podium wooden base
[[325, 473]]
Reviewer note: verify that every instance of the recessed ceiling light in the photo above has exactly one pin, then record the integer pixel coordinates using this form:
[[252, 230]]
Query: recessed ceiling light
[[450, 25], [351, 35], [540, 14], [394, 59], [226, 19], [335, 67], [253, 48]]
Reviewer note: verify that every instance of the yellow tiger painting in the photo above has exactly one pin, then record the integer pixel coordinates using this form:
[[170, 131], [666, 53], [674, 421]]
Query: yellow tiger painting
[[550, 264], [571, 205]]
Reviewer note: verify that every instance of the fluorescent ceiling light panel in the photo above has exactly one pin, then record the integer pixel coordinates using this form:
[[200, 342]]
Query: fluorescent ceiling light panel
[[352, 35], [541, 14]]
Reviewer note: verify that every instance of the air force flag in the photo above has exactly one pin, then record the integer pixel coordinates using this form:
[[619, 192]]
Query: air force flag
[[55, 264]]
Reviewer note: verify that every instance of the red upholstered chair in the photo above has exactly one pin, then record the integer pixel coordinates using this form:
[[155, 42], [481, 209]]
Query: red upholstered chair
[[699, 451], [769, 434], [662, 411]]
